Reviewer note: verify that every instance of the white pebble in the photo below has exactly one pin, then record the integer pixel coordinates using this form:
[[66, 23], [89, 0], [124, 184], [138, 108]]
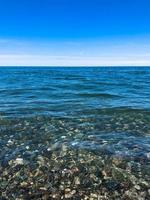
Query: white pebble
[[74, 143], [10, 142], [63, 137], [19, 161]]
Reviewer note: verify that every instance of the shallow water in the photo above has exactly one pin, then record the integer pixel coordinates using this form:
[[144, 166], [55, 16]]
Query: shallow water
[[75, 133]]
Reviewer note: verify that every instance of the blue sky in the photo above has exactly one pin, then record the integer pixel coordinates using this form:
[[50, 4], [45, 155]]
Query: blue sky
[[74, 32]]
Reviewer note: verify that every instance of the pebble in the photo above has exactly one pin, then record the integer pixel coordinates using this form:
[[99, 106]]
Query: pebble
[[63, 137], [67, 190], [74, 143], [43, 188], [24, 184], [69, 193], [10, 142], [67, 196], [137, 187], [93, 195], [19, 161], [77, 181]]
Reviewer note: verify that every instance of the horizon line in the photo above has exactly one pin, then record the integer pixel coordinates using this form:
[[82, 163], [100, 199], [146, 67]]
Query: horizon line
[[74, 66]]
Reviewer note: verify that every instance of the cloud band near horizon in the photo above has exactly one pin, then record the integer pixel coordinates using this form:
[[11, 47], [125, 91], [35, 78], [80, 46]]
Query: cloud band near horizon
[[122, 52]]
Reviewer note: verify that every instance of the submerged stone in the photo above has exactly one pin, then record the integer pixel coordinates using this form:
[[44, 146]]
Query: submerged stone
[[19, 161]]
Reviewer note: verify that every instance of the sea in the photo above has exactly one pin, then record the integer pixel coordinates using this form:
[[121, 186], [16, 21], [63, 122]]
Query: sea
[[75, 133]]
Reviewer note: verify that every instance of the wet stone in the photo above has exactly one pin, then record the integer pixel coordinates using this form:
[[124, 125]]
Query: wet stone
[[112, 185], [49, 158], [19, 161]]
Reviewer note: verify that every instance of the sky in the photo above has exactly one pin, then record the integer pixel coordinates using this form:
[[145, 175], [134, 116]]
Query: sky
[[74, 33]]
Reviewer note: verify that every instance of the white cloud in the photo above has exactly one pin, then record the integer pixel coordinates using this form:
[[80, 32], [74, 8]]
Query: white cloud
[[41, 60], [125, 52]]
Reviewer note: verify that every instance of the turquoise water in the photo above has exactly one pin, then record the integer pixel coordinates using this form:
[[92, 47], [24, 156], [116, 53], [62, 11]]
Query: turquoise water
[[75, 133]]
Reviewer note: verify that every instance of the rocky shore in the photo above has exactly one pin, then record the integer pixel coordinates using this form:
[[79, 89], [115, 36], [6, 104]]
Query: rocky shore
[[43, 159]]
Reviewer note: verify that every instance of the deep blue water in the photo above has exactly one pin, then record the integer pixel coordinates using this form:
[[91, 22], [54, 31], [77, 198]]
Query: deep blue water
[[105, 111], [70, 91]]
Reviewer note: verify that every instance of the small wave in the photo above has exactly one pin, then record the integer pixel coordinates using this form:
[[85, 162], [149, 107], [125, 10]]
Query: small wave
[[102, 95]]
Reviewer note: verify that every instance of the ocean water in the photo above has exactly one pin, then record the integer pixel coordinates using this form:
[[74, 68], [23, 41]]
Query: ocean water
[[75, 133]]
